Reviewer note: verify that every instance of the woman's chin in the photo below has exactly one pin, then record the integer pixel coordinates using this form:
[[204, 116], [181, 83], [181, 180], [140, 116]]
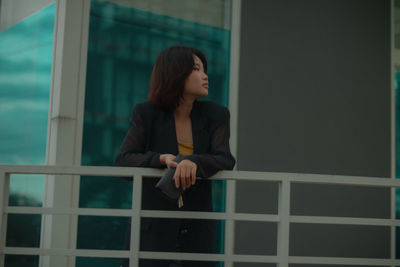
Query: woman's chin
[[202, 94], [197, 95]]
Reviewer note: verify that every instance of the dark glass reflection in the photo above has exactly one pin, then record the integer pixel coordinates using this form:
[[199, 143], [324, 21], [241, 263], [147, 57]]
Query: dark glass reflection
[[98, 262], [21, 261], [123, 45], [25, 74], [101, 232], [23, 230]]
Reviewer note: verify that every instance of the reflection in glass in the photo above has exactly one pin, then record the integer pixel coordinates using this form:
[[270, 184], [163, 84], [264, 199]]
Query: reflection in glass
[[101, 232], [106, 193], [98, 262], [124, 42], [21, 261], [23, 230], [25, 72], [123, 45], [27, 190]]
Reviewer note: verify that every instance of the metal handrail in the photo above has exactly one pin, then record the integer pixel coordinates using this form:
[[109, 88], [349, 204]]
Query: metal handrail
[[283, 218]]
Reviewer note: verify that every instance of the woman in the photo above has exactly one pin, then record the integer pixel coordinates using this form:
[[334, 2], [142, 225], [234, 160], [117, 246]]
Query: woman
[[173, 122]]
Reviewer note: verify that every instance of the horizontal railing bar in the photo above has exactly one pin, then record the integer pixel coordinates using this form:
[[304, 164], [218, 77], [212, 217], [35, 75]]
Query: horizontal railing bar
[[182, 214], [344, 180], [255, 217], [202, 215], [67, 252], [196, 256], [181, 256], [344, 220], [69, 211], [206, 257], [142, 254], [144, 213], [81, 170], [254, 258], [209, 215], [343, 261], [222, 175]]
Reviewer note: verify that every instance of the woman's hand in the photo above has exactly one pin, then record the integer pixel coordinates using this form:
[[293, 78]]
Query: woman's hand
[[185, 174], [168, 160]]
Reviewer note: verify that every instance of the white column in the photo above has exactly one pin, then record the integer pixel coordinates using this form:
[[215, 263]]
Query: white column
[[234, 74], [230, 208], [65, 124]]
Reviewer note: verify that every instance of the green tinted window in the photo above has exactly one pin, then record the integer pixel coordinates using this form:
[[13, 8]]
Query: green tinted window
[[123, 45], [25, 72]]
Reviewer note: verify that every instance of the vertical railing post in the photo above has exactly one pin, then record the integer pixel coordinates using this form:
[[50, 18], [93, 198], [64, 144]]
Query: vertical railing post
[[135, 220], [65, 126], [230, 222], [283, 225], [393, 227], [4, 195]]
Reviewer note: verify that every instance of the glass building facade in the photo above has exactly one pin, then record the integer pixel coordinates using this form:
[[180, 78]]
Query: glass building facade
[[124, 41], [25, 73], [123, 45]]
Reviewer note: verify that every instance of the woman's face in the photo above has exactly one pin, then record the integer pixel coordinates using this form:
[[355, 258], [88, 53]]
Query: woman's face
[[196, 85]]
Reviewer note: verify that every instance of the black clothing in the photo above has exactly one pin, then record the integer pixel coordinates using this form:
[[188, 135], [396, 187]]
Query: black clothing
[[152, 132]]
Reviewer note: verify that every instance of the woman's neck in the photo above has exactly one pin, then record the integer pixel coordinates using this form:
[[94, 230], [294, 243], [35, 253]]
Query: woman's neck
[[184, 109]]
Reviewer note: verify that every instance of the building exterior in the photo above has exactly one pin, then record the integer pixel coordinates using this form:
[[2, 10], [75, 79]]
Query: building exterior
[[311, 86]]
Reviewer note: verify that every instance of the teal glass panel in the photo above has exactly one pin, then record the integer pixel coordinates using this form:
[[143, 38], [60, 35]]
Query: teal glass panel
[[123, 45], [26, 50], [27, 190], [25, 73]]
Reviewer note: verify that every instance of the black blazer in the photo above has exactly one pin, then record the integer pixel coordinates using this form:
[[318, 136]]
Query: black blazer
[[151, 133]]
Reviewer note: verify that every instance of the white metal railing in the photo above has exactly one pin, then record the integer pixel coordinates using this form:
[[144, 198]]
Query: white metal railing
[[283, 218]]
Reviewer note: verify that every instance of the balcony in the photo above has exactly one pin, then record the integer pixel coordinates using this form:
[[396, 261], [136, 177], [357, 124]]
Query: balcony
[[283, 218]]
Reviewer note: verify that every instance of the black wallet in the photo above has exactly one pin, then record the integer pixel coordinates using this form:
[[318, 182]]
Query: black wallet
[[167, 185]]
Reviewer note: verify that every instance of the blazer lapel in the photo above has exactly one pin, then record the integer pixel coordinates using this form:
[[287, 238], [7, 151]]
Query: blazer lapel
[[198, 129], [169, 133]]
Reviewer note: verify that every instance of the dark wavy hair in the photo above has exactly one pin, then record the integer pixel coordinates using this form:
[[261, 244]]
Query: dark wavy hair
[[171, 69]]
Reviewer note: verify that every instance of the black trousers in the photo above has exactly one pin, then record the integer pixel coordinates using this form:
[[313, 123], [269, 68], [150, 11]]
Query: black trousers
[[175, 235]]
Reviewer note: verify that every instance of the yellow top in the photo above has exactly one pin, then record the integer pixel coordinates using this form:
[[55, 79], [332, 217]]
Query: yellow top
[[185, 148]]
